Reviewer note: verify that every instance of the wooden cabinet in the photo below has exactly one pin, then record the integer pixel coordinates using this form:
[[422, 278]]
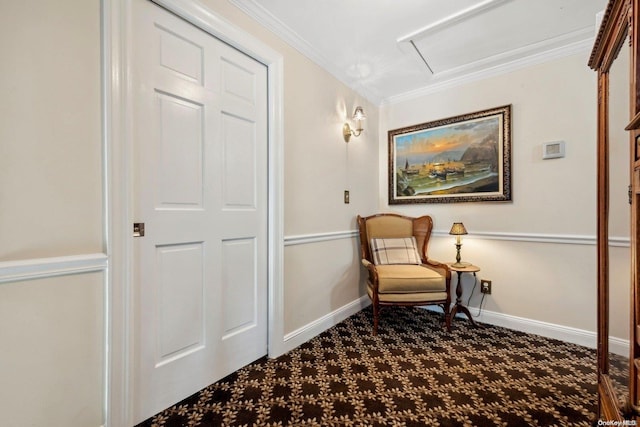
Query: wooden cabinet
[[619, 30]]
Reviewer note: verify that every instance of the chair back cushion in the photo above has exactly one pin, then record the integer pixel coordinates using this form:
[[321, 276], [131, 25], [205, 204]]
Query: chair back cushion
[[402, 250], [389, 227]]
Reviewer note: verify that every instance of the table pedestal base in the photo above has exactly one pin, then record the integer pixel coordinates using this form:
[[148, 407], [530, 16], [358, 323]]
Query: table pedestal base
[[459, 307]]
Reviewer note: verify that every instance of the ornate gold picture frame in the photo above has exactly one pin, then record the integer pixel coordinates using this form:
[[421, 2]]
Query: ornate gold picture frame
[[465, 158]]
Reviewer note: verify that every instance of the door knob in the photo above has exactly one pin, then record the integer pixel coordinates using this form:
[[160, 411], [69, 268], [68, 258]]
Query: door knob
[[138, 229]]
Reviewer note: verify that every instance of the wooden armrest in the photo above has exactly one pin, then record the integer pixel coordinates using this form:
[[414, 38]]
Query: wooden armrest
[[439, 265], [373, 274]]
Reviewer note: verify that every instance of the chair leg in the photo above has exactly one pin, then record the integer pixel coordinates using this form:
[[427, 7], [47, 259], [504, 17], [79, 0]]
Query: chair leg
[[376, 317], [447, 317]]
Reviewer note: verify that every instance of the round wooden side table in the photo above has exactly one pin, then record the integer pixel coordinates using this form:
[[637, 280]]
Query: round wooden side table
[[459, 307]]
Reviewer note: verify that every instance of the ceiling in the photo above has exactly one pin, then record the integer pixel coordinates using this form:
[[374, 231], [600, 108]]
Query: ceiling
[[389, 50]]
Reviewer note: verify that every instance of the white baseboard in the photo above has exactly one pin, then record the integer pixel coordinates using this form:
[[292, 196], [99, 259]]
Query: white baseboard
[[310, 330], [550, 330], [617, 346]]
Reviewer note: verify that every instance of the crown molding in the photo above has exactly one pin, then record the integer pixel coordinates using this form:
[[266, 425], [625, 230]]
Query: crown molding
[[280, 29], [444, 80], [544, 48], [574, 48]]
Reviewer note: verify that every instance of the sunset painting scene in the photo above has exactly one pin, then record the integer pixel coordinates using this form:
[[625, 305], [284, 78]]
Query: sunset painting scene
[[459, 158]]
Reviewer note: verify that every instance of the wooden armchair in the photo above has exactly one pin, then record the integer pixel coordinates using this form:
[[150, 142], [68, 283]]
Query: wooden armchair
[[394, 251]]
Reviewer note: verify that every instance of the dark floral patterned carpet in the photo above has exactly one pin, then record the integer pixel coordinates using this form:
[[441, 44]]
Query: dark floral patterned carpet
[[414, 373]]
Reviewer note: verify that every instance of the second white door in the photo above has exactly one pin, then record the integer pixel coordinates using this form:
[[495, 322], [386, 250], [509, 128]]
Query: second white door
[[200, 131]]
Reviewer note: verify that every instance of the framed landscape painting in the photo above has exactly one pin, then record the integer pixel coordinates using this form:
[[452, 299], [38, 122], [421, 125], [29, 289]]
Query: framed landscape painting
[[465, 158]]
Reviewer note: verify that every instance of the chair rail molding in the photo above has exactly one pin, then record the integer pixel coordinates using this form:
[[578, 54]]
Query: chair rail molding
[[302, 239], [567, 239], [40, 268]]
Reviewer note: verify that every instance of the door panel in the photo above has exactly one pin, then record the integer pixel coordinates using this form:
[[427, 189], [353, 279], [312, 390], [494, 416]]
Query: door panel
[[184, 56], [179, 178], [240, 287], [239, 83], [200, 164], [238, 139], [180, 289]]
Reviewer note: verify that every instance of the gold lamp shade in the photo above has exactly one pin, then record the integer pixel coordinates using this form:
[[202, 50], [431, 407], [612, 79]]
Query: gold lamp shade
[[457, 229]]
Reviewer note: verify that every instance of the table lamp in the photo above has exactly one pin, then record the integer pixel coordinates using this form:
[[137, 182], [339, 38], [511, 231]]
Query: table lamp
[[458, 230]]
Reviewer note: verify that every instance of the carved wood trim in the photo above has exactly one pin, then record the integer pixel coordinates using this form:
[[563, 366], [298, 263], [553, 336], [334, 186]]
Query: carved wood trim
[[610, 38], [603, 223], [608, 401], [618, 22]]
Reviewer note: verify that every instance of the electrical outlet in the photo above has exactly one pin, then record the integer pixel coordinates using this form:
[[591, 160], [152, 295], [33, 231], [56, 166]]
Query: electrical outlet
[[485, 286]]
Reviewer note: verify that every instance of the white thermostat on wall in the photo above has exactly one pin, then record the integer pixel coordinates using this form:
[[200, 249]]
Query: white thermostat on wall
[[552, 150]]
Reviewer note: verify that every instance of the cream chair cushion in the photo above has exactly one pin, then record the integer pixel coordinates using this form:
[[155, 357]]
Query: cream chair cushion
[[422, 297], [400, 279]]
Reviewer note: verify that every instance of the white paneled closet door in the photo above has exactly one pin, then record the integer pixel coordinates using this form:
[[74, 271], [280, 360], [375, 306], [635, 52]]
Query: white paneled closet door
[[200, 188]]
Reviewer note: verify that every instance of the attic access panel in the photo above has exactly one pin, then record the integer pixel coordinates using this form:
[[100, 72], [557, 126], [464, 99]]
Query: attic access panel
[[506, 31]]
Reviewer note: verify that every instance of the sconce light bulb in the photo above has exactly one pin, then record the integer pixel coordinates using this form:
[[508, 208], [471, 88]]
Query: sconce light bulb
[[359, 115]]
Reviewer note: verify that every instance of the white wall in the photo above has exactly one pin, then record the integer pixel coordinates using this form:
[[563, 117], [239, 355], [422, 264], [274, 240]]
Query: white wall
[[552, 282], [51, 356], [321, 276], [51, 329], [50, 171], [319, 166]]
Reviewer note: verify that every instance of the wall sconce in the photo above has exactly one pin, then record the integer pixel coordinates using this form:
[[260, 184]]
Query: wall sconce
[[358, 116], [458, 230]]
